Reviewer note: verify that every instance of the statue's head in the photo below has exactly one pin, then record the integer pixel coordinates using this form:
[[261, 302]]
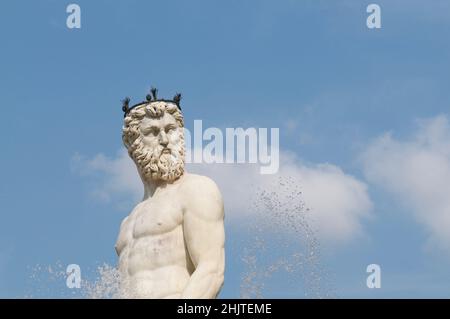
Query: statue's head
[[153, 134]]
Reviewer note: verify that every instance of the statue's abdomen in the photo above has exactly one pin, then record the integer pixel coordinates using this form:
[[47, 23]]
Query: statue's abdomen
[[154, 257]]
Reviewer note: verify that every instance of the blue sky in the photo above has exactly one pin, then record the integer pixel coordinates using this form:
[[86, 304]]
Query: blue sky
[[373, 105]]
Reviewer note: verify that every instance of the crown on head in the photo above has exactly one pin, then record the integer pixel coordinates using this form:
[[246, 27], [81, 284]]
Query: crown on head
[[151, 97]]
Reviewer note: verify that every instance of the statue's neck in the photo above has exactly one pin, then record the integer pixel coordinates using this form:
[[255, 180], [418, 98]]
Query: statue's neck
[[151, 187]]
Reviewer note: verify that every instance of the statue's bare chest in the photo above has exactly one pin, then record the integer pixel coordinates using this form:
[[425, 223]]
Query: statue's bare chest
[[155, 218]]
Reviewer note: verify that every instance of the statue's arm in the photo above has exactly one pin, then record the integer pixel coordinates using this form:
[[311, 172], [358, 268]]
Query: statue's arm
[[205, 238]]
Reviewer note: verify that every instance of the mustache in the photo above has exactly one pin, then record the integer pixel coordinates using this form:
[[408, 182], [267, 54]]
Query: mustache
[[162, 150]]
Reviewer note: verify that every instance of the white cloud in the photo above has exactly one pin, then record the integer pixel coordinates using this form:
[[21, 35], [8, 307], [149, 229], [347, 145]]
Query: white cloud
[[338, 202], [113, 180], [417, 172]]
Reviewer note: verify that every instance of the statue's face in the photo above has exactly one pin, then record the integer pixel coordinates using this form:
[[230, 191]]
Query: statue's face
[[161, 134], [163, 147]]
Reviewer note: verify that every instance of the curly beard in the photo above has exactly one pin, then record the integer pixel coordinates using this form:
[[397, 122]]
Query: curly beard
[[155, 164]]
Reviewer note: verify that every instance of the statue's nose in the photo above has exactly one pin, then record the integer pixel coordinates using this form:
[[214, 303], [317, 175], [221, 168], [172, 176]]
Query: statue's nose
[[163, 140]]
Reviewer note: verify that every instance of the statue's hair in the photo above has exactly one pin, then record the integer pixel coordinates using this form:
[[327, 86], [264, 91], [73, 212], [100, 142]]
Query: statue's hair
[[131, 135]]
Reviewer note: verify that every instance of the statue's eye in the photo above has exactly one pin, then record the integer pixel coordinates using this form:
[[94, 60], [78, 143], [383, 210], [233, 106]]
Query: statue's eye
[[151, 131], [170, 129]]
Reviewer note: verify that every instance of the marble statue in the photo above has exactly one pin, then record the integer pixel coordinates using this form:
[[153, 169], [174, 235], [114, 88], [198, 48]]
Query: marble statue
[[172, 243]]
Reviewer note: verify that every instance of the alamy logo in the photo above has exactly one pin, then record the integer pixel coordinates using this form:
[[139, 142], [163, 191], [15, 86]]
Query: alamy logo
[[74, 19], [73, 280], [235, 145], [374, 279], [374, 19]]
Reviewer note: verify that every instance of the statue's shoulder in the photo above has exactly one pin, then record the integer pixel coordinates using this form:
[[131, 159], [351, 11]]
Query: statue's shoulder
[[202, 190], [200, 184]]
